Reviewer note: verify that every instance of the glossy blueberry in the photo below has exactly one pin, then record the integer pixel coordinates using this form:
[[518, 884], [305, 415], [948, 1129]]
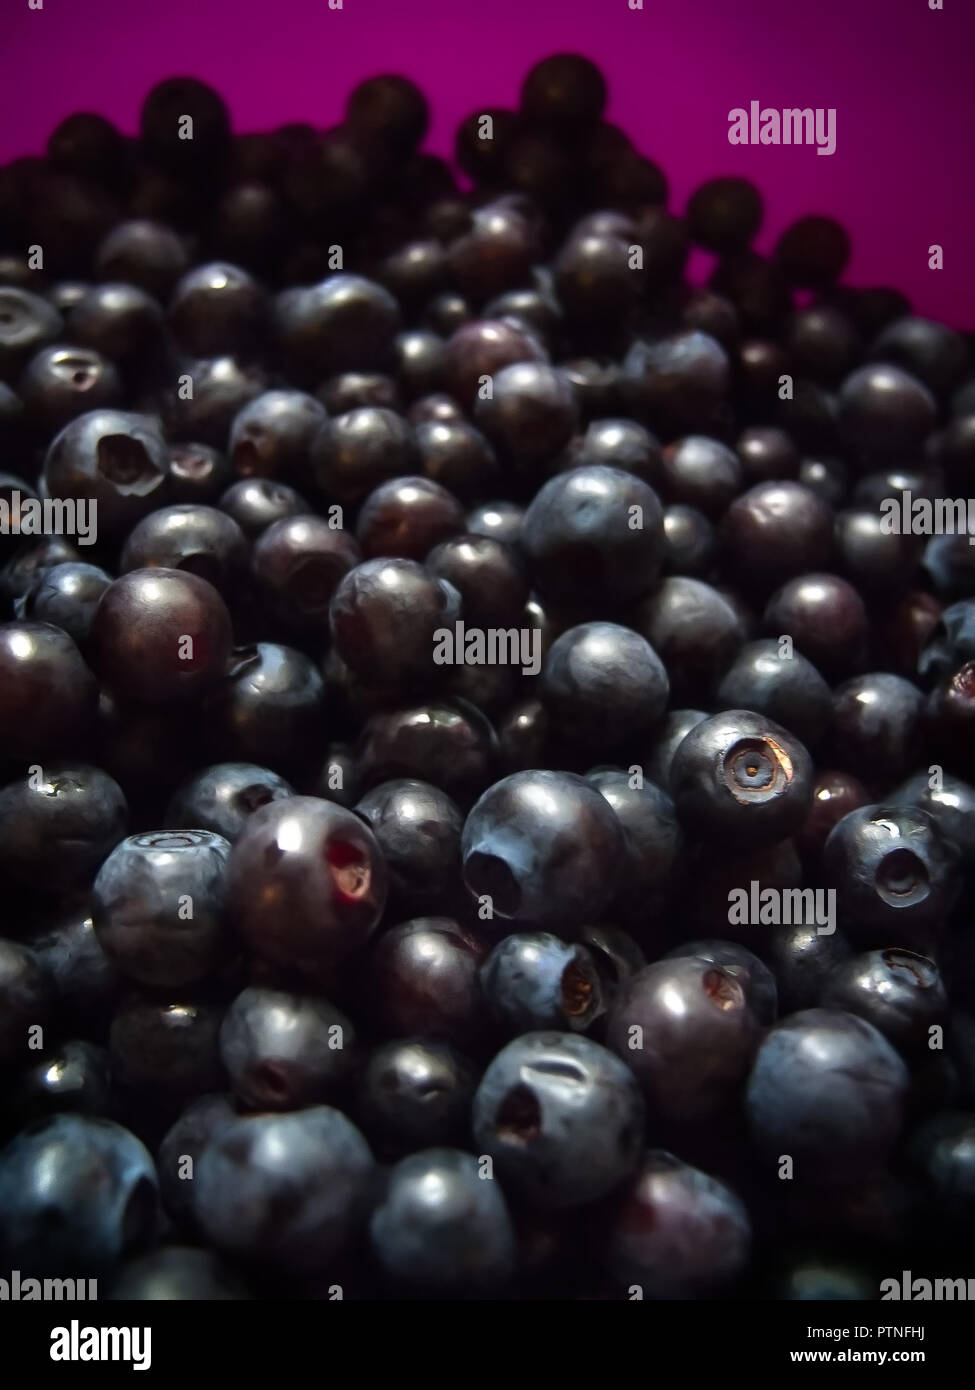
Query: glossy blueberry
[[85, 983], [27, 323], [561, 1117], [255, 503], [221, 797], [533, 980], [594, 531], [418, 828], [651, 835], [345, 323], [197, 473], [407, 517], [677, 383], [449, 743], [834, 796], [952, 642], [743, 778], [353, 453], [458, 457], [299, 562], [674, 729], [164, 1053], [900, 993], [440, 1225], [423, 980], [951, 802], [60, 383], [828, 1090], [67, 596], [895, 875], [686, 1030], [416, 1092], [932, 351], [160, 635], [677, 1232], [71, 1076], [700, 472], [76, 1193], [269, 708], [59, 823], [271, 437], [826, 619], [499, 521], [158, 906], [112, 458], [222, 386], [193, 538], [217, 308], [186, 1138], [306, 882], [780, 684], [488, 574], [288, 1190], [48, 696], [540, 846], [124, 324], [775, 531], [754, 976], [694, 629], [884, 414], [603, 684], [284, 1051], [877, 726], [147, 254]]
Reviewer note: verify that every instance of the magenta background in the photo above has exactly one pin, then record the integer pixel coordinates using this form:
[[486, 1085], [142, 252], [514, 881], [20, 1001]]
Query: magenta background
[[899, 74]]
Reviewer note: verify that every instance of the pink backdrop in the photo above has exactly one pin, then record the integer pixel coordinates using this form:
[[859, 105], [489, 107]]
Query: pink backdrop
[[899, 74]]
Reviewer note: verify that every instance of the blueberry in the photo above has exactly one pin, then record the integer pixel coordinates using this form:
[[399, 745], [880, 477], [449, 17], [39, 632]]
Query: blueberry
[[271, 436], [193, 538], [603, 685], [418, 828], [67, 596], [533, 980], [442, 1225], [186, 1139], [76, 1193], [894, 873], [289, 1190], [594, 531], [828, 1090], [950, 801], [162, 1054], [48, 696], [86, 985], [803, 960], [541, 845], [561, 1117], [221, 797], [741, 777], [877, 725], [72, 1076], [677, 1232], [57, 825], [423, 979], [651, 834], [686, 1029], [306, 882], [26, 995], [754, 976], [780, 684], [416, 1092], [283, 1051], [158, 905], [900, 993]]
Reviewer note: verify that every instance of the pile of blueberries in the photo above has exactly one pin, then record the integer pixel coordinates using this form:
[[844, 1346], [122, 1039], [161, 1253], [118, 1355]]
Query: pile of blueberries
[[331, 969]]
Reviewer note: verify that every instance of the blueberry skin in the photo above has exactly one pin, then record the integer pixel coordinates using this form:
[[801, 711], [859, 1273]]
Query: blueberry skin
[[57, 827], [187, 1137], [26, 998], [175, 1273], [415, 1093], [223, 796], [677, 1232], [685, 1029], [283, 1051], [67, 596], [383, 616], [139, 908], [543, 846], [900, 993], [895, 874], [271, 437], [651, 833], [603, 684], [288, 1190], [743, 778], [671, 734], [418, 828], [440, 1225], [943, 1151], [803, 961], [952, 805], [951, 644], [114, 458], [86, 984], [787, 689], [754, 976], [448, 743], [561, 1117], [307, 882], [877, 726], [828, 1089], [578, 538], [532, 981], [76, 1193], [48, 696], [423, 979]]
